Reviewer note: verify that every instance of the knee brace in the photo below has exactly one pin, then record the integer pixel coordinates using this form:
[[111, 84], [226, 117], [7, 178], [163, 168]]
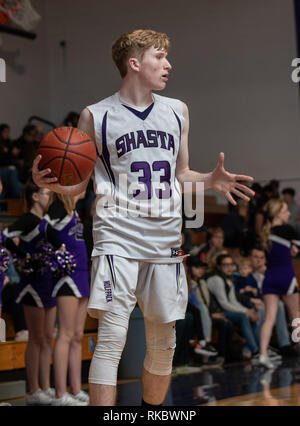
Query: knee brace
[[112, 332], [161, 343]]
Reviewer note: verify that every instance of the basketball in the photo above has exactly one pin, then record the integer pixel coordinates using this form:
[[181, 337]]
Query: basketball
[[70, 154]]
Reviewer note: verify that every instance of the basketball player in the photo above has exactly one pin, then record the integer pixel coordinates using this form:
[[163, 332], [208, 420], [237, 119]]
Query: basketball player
[[145, 137]]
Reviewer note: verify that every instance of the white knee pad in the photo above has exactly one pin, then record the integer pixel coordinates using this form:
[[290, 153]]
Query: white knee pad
[[112, 332], [161, 343]]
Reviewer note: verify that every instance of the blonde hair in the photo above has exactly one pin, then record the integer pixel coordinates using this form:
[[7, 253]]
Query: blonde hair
[[272, 208], [68, 202], [136, 43], [243, 261]]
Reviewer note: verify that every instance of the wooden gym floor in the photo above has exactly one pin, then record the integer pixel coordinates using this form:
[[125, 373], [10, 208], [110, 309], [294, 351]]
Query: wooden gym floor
[[241, 384]]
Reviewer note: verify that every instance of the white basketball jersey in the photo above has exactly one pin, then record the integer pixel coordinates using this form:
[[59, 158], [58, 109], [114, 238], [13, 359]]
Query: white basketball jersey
[[138, 206]]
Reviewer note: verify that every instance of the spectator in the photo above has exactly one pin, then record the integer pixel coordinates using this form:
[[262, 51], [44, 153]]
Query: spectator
[[256, 215], [4, 145], [71, 119], [28, 149], [214, 240], [235, 224], [210, 317], [220, 284], [247, 291], [288, 195]]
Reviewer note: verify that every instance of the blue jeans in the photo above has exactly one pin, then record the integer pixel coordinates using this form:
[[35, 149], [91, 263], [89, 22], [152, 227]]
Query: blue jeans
[[206, 320], [250, 329]]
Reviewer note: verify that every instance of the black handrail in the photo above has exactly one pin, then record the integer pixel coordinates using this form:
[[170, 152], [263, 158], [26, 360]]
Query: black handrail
[[18, 32], [42, 120]]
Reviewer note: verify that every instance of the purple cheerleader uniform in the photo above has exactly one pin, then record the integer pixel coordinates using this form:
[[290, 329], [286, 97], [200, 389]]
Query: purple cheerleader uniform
[[34, 289], [69, 230], [280, 276]]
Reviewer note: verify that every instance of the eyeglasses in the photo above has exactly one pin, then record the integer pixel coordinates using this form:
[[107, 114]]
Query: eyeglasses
[[226, 264]]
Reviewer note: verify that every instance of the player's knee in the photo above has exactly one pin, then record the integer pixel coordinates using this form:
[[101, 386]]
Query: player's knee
[[108, 351], [161, 343]]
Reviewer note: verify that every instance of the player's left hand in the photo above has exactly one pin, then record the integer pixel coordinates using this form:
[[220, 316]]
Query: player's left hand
[[227, 183]]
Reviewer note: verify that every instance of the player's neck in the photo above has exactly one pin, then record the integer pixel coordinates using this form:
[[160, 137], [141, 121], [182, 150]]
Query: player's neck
[[132, 94]]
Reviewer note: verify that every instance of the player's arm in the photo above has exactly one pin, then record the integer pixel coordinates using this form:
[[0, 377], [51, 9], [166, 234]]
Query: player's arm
[[40, 176], [219, 179]]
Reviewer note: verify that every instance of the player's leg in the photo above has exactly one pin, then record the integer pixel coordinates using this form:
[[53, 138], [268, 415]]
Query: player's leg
[[112, 300], [160, 342], [76, 347], [271, 306], [45, 353], [67, 307], [112, 332], [35, 318]]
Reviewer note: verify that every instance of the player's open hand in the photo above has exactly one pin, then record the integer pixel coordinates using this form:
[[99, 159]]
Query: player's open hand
[[40, 176], [228, 183]]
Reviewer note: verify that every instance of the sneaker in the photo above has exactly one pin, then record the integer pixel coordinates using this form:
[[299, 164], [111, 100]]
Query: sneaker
[[67, 399], [255, 358], [38, 398], [22, 337], [186, 369], [216, 361], [203, 348], [50, 392], [82, 396], [266, 362], [274, 356]]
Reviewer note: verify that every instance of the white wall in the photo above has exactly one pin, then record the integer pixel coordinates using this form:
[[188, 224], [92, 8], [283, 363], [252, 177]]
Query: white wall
[[231, 65]]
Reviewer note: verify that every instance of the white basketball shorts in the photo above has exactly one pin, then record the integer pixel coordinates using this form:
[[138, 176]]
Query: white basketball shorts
[[118, 283]]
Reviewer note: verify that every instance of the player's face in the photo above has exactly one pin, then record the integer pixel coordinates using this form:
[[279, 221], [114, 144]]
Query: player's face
[[155, 68]]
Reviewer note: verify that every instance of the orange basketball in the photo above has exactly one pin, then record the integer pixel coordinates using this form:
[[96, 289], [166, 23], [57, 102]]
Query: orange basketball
[[70, 154]]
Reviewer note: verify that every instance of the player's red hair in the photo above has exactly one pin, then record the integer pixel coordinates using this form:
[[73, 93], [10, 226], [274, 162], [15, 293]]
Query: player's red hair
[[136, 43]]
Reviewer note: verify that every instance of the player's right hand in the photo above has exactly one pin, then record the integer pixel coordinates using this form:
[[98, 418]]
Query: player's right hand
[[39, 176]]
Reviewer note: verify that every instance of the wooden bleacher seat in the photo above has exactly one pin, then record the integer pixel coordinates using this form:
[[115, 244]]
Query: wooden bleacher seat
[[11, 207]]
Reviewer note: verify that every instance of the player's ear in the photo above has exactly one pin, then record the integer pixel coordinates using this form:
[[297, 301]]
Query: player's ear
[[134, 64]]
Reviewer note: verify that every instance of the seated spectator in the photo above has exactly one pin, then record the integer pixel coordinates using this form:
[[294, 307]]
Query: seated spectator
[[211, 258], [288, 195], [25, 151], [220, 284], [199, 297], [214, 240], [258, 261], [235, 223], [4, 145], [246, 288]]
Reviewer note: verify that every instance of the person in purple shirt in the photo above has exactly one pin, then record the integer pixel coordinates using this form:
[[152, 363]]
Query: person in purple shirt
[[34, 292], [281, 242], [71, 292]]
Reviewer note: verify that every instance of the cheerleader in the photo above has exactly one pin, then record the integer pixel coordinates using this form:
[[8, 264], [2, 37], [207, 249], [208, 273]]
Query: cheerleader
[[71, 294], [281, 241], [35, 291]]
